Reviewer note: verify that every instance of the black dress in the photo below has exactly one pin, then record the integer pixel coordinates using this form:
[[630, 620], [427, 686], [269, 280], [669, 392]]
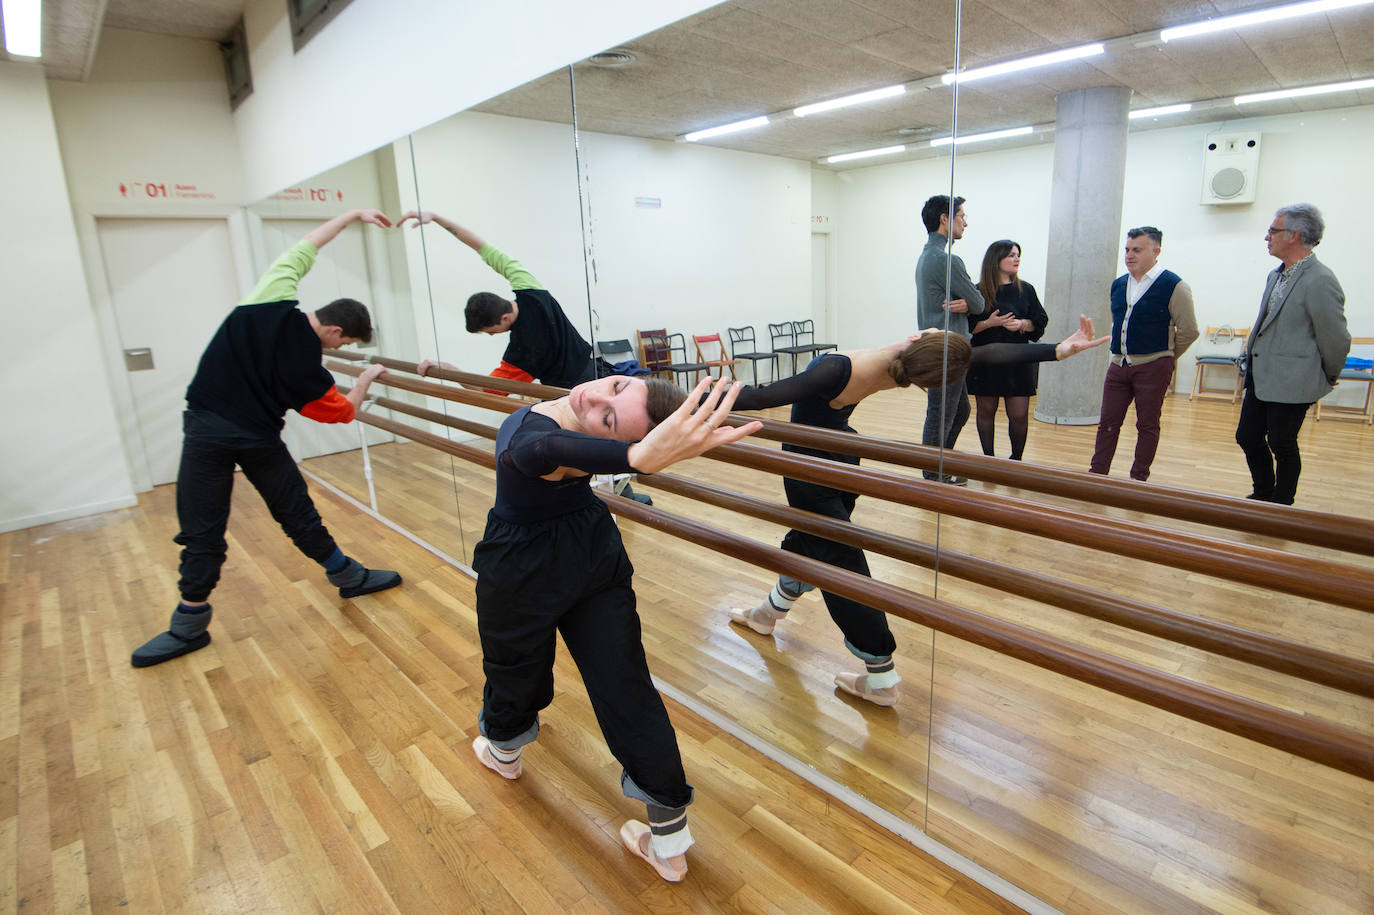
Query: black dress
[[1008, 379]]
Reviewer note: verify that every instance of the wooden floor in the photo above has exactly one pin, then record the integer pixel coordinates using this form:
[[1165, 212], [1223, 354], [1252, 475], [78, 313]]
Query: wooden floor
[[315, 756]]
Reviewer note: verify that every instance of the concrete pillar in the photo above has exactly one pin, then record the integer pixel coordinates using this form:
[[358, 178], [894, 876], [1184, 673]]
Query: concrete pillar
[[1085, 244]]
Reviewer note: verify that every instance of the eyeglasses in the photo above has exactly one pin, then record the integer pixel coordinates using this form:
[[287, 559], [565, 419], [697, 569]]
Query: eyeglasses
[[1275, 230]]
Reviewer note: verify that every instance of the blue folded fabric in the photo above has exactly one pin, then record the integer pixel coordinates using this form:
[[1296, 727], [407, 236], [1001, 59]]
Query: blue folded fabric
[[1355, 362]]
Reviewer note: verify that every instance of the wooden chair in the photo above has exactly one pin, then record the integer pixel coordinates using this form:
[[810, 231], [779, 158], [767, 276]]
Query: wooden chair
[[714, 354], [742, 338], [1234, 361], [1363, 414], [653, 350]]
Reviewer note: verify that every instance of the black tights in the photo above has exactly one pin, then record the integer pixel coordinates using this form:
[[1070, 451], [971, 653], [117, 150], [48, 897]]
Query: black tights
[[1018, 420]]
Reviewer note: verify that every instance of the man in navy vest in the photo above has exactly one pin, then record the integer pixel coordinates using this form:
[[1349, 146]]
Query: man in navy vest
[[1152, 325]]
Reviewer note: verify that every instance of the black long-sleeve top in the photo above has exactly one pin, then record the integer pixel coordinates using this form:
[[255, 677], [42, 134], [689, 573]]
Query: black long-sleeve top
[[530, 445]]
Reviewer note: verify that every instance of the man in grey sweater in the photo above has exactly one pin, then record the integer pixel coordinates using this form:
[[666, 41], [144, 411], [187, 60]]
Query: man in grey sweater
[[947, 407]]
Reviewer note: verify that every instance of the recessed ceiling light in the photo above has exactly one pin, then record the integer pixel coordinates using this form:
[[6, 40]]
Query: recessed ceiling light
[[726, 128], [24, 28], [1273, 14], [865, 154]]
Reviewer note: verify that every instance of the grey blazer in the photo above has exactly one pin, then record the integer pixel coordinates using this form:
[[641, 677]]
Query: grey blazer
[[1300, 348]]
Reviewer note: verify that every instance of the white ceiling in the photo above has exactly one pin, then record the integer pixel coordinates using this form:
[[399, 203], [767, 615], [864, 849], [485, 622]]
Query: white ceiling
[[751, 57]]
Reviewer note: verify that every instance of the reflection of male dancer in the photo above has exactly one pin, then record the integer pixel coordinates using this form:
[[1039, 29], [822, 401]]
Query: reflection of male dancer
[[824, 395], [543, 345], [263, 361]]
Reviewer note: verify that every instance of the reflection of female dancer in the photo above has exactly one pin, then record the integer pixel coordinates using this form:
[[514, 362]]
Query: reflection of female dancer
[[552, 560], [1014, 316], [825, 395]]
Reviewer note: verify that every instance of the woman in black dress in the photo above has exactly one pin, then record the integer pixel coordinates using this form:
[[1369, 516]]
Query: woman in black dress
[[1014, 315]]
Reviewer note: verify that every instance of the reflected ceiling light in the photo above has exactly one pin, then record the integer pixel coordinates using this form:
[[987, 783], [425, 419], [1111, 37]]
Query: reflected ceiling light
[[1161, 111], [1272, 14], [1305, 90], [23, 27], [1026, 63], [726, 128], [864, 154], [857, 99], [981, 137]]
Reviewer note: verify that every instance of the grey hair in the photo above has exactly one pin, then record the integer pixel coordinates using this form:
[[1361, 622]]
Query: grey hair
[[1306, 220]]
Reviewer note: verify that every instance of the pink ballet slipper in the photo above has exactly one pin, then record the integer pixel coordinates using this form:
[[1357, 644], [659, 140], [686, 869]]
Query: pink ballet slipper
[[857, 685], [482, 748], [636, 836]]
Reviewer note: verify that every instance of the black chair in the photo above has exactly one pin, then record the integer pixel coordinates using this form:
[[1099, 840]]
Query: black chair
[[674, 347], [614, 351], [742, 338], [807, 329], [785, 342]]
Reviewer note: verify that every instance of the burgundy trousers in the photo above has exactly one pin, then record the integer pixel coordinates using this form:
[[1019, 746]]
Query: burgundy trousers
[[1146, 385]]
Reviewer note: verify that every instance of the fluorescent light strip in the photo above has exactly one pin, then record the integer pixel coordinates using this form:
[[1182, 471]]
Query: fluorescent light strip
[[1161, 111], [1273, 14], [885, 151], [857, 99], [981, 137], [1305, 90], [726, 128], [1026, 63], [24, 27]]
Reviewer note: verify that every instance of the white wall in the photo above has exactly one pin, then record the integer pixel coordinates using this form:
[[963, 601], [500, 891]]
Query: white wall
[[60, 433], [1318, 157], [728, 246], [384, 68]]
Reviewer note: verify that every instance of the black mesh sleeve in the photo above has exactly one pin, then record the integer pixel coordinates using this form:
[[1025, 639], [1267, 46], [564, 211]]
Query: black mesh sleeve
[[824, 378], [1011, 353], [539, 452]]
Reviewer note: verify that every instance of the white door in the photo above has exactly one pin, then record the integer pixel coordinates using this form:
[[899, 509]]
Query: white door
[[820, 287], [172, 281], [340, 271]]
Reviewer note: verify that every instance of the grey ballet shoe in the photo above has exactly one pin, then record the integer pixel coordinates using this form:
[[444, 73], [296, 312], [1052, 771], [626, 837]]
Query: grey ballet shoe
[[355, 580], [185, 634]]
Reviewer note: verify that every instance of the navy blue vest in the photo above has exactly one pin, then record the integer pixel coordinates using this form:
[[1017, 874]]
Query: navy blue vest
[[1150, 319]]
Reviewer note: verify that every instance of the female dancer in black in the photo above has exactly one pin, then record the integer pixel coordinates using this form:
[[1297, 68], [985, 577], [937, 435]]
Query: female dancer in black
[[551, 560], [825, 395], [1014, 315]]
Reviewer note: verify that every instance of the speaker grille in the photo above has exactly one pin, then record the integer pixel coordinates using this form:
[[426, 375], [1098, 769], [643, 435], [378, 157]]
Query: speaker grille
[[1228, 182]]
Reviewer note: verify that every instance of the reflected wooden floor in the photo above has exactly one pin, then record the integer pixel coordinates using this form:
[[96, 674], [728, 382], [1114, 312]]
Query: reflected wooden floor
[[1092, 802], [315, 757]]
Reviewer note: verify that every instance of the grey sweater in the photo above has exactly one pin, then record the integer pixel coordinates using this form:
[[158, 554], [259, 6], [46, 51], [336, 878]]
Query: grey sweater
[[930, 289]]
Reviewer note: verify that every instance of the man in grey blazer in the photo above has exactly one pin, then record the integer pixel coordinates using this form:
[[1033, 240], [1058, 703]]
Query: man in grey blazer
[[1294, 354]]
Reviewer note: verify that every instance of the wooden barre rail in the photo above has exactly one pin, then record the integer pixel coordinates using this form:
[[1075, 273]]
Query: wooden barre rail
[[1275, 570], [1328, 668], [1340, 532], [1304, 576], [1314, 665], [1320, 741]]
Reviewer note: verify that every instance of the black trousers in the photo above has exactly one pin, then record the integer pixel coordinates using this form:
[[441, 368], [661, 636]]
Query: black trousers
[[211, 447], [1268, 434], [864, 627], [570, 575]]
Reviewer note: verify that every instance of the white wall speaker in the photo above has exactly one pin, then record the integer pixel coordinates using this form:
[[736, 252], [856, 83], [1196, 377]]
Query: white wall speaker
[[1230, 167]]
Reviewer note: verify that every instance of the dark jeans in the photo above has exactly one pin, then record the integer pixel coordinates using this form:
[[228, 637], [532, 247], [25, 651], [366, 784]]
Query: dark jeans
[[570, 576], [1146, 385], [864, 627], [946, 412], [1268, 434], [210, 449]]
